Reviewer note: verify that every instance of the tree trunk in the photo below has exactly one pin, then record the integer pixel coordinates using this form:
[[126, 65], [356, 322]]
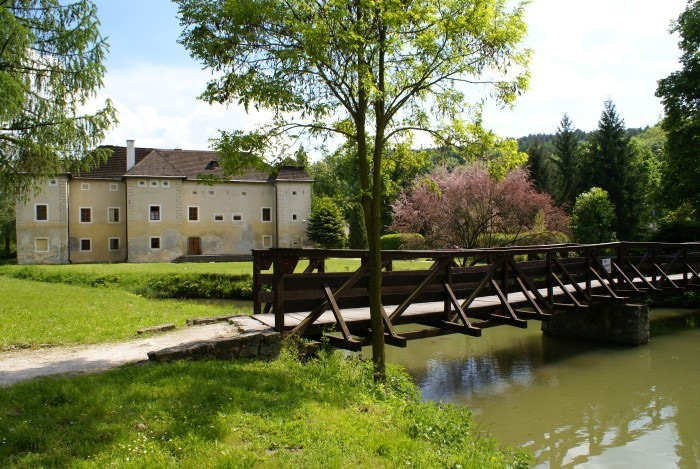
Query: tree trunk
[[8, 239]]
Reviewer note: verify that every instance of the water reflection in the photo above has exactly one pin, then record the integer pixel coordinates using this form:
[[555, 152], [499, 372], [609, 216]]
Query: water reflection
[[569, 402]]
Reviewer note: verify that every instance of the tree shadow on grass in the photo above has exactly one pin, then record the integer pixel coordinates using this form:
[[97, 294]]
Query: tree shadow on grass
[[59, 421]]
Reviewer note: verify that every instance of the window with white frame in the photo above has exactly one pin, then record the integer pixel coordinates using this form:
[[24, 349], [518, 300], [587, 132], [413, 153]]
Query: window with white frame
[[154, 184], [142, 183], [155, 242], [41, 212], [85, 214], [85, 244], [193, 213], [113, 187], [41, 244], [85, 186], [154, 212], [266, 214], [53, 182], [267, 241], [114, 244], [294, 216], [113, 215], [236, 217], [294, 192], [218, 217], [165, 183]]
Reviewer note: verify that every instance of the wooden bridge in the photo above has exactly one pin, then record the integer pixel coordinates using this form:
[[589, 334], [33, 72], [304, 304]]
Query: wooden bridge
[[463, 291]]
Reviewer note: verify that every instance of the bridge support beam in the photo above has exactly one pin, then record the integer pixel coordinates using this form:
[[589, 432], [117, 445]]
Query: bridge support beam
[[615, 323]]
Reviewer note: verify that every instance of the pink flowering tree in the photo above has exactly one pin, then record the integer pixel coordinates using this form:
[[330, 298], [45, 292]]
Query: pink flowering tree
[[467, 208]]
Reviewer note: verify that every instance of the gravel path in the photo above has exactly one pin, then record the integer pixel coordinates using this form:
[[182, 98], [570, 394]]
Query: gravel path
[[20, 365]]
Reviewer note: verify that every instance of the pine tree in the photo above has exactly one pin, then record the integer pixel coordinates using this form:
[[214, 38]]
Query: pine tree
[[566, 160], [357, 237], [326, 225], [539, 165], [610, 165]]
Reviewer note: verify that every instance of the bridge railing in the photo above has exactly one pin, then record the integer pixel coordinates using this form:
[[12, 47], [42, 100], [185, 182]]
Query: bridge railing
[[464, 290]]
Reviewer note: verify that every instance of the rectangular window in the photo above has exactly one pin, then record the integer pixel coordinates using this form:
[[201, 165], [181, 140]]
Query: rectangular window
[[85, 245], [113, 215], [41, 212], [85, 186], [266, 214], [294, 192], [237, 217], [53, 182], [165, 183], [85, 215], [267, 241], [155, 243], [192, 213], [244, 193], [154, 212], [218, 217], [114, 187], [113, 244], [41, 244], [294, 216], [211, 192], [154, 184], [142, 183]]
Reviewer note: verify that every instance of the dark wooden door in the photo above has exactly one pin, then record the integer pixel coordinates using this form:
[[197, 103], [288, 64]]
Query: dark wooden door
[[194, 247]]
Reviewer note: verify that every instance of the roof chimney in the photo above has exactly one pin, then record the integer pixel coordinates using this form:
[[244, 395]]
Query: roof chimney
[[130, 155]]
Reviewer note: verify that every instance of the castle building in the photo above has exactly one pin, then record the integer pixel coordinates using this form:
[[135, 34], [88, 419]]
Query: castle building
[[154, 205]]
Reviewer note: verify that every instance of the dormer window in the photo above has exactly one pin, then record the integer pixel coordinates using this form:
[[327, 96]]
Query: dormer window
[[213, 164]]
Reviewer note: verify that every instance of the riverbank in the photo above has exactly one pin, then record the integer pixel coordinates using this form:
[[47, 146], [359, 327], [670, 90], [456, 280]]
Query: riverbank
[[282, 413]]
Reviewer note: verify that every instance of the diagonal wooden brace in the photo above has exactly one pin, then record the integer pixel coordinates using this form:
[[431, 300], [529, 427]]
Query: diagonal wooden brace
[[434, 272], [482, 284], [666, 277], [512, 319], [338, 317], [458, 307]]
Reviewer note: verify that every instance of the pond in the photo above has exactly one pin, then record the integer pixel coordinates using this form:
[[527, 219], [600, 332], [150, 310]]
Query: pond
[[569, 402]]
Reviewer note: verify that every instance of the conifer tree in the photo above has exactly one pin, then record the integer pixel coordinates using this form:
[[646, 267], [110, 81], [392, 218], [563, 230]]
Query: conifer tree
[[566, 159], [326, 225], [539, 165]]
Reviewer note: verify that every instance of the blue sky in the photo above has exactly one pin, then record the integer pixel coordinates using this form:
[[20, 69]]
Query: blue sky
[[584, 52]]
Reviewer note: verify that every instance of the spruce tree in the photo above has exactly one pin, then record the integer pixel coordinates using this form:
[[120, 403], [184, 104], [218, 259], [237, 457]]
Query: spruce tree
[[539, 165], [610, 165], [326, 227], [566, 159]]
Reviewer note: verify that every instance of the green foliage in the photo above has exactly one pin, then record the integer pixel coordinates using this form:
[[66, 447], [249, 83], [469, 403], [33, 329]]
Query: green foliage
[[325, 226], [540, 166], [282, 413], [51, 64], [567, 160], [150, 285], [613, 164], [357, 236], [678, 231], [35, 313], [396, 241], [592, 217], [679, 95]]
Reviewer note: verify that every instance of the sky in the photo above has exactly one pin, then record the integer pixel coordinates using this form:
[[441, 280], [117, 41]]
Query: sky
[[583, 53]]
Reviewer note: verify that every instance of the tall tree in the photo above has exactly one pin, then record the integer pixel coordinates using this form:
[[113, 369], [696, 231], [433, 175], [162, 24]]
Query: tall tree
[[8, 200], [369, 71], [566, 160], [540, 166], [611, 164], [680, 95], [51, 55]]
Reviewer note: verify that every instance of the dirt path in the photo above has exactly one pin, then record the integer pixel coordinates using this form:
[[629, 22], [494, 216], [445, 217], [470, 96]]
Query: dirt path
[[20, 365]]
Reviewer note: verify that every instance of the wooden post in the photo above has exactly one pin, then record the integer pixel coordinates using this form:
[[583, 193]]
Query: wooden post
[[652, 269], [621, 263], [448, 281], [278, 287], [504, 275], [550, 279], [322, 265], [589, 289], [256, 283]]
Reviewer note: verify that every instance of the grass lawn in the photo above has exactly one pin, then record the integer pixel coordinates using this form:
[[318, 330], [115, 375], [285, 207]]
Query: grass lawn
[[52, 313], [325, 413]]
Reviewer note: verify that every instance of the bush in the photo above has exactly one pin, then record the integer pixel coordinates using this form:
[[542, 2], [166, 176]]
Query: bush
[[678, 231], [592, 217], [396, 241]]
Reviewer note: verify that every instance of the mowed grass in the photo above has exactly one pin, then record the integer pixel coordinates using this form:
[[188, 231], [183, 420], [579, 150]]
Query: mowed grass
[[325, 413], [37, 313]]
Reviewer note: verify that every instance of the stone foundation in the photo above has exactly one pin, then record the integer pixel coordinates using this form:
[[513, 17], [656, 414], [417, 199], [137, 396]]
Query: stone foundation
[[620, 324], [262, 345]]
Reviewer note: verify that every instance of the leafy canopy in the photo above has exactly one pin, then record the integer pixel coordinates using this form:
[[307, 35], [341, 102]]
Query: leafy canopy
[[51, 55], [592, 217]]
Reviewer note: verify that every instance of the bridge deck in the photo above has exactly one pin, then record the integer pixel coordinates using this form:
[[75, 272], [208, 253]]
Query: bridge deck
[[359, 317]]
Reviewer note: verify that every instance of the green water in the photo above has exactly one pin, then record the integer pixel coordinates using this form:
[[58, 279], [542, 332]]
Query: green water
[[571, 403]]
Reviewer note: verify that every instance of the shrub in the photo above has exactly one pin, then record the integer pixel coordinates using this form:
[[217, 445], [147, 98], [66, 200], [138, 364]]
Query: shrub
[[678, 231], [592, 217], [396, 241], [326, 227]]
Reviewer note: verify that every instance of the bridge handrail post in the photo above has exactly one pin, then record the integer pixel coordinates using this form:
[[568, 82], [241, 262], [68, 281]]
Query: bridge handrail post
[[278, 282], [620, 262], [589, 288], [550, 279], [448, 280], [256, 283]]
